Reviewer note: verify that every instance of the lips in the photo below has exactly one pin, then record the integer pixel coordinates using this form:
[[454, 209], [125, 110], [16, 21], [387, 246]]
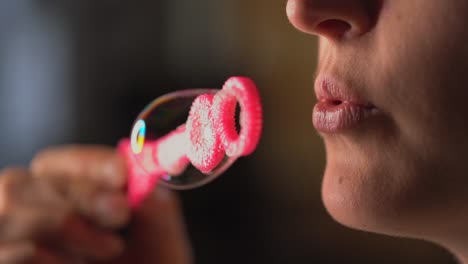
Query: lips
[[339, 108]]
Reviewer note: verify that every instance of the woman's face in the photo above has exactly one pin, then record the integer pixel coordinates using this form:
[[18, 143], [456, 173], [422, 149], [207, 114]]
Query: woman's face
[[392, 84]]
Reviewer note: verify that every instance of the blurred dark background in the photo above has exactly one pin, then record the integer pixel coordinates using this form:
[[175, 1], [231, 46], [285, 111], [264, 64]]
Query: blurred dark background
[[79, 72]]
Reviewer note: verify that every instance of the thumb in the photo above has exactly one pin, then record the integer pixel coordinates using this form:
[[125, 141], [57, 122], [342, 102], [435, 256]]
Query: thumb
[[157, 233]]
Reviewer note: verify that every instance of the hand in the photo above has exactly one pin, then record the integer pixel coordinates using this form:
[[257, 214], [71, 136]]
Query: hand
[[69, 206], [156, 233]]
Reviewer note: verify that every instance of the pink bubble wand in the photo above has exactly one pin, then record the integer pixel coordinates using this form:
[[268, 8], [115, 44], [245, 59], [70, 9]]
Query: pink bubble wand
[[204, 141]]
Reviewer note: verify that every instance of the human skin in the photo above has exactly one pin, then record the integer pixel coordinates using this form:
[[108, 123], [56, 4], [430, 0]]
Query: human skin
[[402, 172], [69, 206]]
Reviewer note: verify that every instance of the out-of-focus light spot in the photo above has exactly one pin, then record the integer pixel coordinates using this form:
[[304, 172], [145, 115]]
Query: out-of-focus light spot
[[138, 136]]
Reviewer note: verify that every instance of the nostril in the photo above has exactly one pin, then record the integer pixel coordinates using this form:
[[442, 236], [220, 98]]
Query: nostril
[[336, 102], [333, 28]]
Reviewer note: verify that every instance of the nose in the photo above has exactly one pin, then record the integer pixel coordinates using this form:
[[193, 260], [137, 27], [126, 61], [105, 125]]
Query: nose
[[332, 19]]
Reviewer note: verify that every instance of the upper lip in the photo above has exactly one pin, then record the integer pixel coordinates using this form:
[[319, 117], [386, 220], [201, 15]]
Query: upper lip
[[331, 91]]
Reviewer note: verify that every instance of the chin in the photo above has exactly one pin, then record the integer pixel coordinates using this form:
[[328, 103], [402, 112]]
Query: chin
[[362, 192], [344, 200]]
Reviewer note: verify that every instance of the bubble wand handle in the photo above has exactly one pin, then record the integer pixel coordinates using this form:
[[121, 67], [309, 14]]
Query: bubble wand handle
[[208, 135]]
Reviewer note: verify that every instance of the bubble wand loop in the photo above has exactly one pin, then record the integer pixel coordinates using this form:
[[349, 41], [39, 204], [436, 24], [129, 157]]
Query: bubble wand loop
[[204, 141]]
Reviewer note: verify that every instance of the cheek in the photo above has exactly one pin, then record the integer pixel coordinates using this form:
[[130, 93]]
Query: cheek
[[395, 183], [424, 82], [421, 69]]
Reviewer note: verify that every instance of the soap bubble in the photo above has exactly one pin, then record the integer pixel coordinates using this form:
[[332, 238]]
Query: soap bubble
[[160, 144]]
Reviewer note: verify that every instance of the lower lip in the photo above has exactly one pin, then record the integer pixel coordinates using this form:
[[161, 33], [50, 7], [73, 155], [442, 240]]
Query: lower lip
[[335, 118]]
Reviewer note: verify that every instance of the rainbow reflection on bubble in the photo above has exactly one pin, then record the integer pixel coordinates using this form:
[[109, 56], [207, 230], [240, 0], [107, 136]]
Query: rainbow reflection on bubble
[[137, 139]]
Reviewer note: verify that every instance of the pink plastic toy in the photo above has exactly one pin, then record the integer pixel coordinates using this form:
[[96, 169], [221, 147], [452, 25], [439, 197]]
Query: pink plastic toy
[[205, 151], [243, 91], [208, 136]]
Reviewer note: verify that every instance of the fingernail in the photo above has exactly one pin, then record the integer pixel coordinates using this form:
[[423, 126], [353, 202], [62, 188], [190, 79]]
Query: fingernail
[[114, 170]]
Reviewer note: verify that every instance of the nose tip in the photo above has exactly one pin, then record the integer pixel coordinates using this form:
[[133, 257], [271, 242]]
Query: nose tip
[[333, 19]]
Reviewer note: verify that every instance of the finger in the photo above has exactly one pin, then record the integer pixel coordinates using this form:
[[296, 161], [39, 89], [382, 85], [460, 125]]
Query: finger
[[158, 230], [79, 238], [102, 165], [29, 211], [108, 209], [171, 233], [85, 175], [19, 252], [27, 207]]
